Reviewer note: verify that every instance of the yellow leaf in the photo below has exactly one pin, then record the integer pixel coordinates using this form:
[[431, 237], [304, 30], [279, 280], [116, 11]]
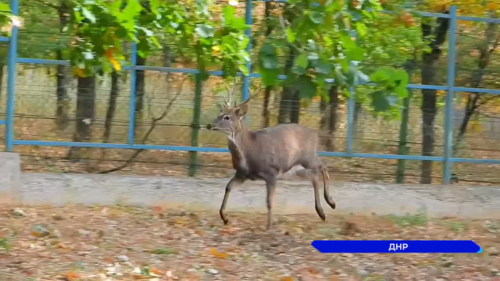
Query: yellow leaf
[[476, 127], [78, 72], [492, 6], [286, 279], [116, 65], [217, 254]]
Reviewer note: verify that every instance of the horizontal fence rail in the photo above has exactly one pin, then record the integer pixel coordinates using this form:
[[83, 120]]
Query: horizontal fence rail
[[447, 157]]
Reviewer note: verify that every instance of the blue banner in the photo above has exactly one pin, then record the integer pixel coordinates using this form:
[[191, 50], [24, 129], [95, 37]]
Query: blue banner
[[396, 246]]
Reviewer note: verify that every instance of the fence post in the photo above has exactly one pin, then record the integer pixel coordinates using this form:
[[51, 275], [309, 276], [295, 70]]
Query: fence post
[[450, 79], [11, 80], [195, 125], [246, 79], [131, 113], [350, 119], [403, 131]]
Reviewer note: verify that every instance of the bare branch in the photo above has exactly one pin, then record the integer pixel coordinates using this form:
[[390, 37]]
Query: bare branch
[[154, 121], [495, 45], [485, 101]]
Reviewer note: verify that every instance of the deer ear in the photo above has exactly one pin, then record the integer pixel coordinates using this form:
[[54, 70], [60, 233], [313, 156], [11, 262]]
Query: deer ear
[[242, 110]]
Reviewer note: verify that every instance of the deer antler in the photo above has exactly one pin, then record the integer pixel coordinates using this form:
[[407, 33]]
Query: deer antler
[[252, 95], [230, 93]]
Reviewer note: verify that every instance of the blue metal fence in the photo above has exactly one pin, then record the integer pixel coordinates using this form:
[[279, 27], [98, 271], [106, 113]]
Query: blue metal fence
[[447, 158]]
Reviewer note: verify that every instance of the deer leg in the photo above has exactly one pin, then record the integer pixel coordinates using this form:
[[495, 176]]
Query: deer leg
[[313, 166], [328, 198], [317, 202], [235, 181], [271, 188]]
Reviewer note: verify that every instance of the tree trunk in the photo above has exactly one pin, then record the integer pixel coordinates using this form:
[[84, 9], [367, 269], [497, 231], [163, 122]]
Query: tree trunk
[[403, 129], [139, 92], [429, 108], [267, 92], [330, 118], [473, 99], [113, 95], [288, 91], [295, 107], [167, 59], [266, 114], [357, 133], [85, 110], [62, 107]]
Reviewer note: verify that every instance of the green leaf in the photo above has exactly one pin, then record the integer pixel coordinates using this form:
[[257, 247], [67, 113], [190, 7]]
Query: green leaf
[[290, 35], [317, 17], [269, 62], [302, 61], [307, 88], [88, 15], [132, 10], [402, 92], [154, 4], [204, 30], [243, 69], [379, 101], [267, 56], [228, 14], [323, 67], [361, 29], [380, 75], [269, 76], [4, 8]]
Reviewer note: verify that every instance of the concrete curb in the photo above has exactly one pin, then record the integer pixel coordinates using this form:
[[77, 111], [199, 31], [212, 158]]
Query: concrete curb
[[10, 178], [473, 202]]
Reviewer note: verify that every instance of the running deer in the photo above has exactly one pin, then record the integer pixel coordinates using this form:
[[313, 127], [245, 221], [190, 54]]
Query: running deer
[[270, 154]]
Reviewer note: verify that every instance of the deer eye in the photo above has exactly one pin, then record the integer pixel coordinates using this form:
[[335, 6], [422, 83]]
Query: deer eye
[[226, 117]]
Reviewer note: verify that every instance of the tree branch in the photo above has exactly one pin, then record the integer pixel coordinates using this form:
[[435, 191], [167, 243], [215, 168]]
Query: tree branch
[[154, 121]]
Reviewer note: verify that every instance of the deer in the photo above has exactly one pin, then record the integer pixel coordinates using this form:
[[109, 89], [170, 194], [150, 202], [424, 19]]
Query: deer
[[269, 154]]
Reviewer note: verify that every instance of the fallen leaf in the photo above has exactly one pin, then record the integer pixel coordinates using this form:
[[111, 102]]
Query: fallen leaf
[[156, 271], [70, 276], [217, 254], [286, 278]]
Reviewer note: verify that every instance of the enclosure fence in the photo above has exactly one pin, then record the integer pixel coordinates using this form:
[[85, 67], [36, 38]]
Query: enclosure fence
[[446, 158]]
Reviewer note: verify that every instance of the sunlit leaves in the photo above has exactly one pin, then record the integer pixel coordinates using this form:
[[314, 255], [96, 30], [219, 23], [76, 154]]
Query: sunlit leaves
[[393, 82], [100, 27], [327, 40], [268, 64], [7, 20], [204, 30]]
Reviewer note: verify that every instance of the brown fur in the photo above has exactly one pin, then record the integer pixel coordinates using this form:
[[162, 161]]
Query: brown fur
[[269, 154]]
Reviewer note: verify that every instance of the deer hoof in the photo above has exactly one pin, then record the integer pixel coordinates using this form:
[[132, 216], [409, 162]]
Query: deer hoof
[[224, 218]]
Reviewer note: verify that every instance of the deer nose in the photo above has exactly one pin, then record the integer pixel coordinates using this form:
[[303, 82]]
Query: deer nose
[[209, 126]]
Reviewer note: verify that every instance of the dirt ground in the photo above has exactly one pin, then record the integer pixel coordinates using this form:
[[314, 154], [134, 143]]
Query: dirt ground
[[129, 243]]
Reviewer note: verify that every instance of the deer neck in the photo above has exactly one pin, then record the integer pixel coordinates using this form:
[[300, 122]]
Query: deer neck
[[238, 141]]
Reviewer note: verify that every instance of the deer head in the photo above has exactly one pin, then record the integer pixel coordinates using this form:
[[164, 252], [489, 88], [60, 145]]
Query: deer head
[[229, 119]]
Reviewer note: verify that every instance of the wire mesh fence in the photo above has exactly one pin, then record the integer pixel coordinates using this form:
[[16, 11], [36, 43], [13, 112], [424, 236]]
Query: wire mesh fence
[[46, 113]]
